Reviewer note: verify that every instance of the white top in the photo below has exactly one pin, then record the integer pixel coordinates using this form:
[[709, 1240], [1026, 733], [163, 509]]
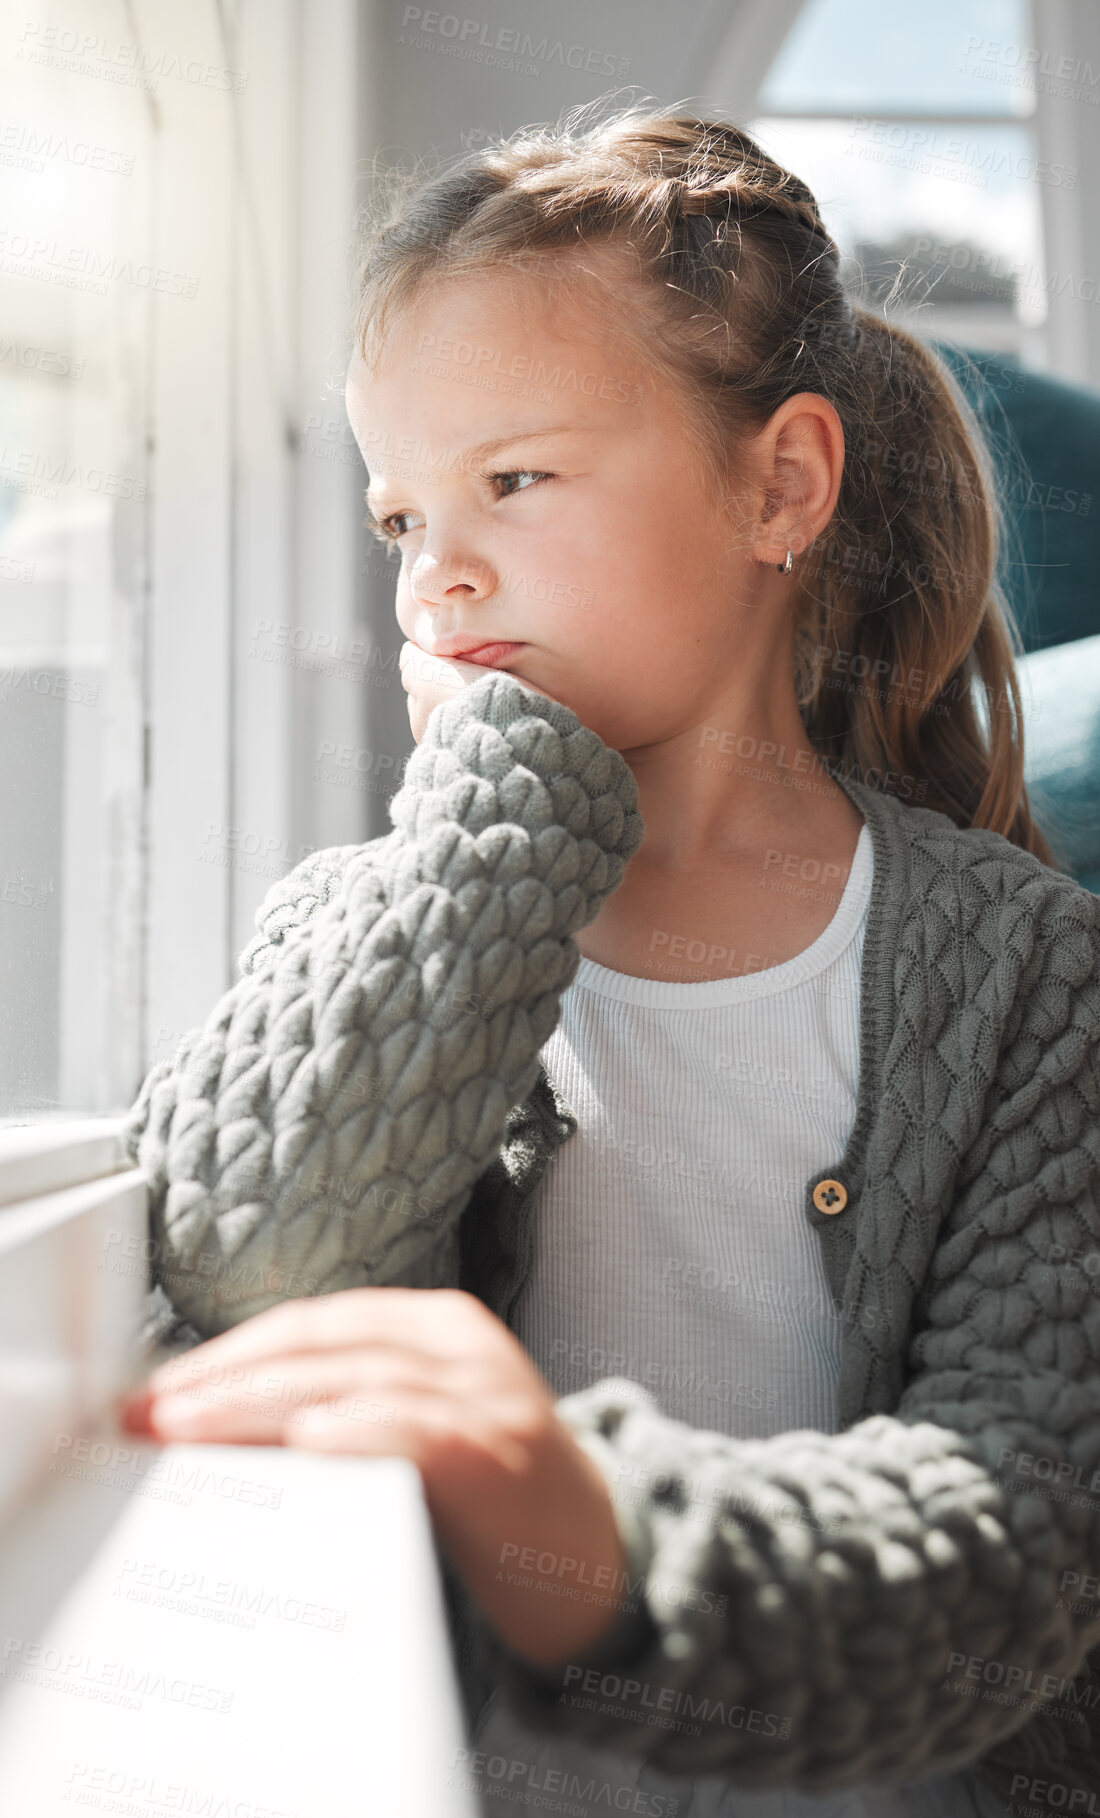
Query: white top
[[671, 1241], [671, 1246]]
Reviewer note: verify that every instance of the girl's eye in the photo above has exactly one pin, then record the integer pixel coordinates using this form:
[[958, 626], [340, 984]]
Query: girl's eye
[[520, 473], [389, 530]]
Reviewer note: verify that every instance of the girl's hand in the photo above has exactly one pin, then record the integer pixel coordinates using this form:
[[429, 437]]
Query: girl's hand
[[430, 679], [432, 1375]]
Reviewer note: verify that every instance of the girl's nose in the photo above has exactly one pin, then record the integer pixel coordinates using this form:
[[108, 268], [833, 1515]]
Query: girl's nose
[[441, 580]]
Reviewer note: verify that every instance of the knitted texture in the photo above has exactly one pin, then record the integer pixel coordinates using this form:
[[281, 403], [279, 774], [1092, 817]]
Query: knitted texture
[[325, 1124], [918, 1592], [914, 1593]]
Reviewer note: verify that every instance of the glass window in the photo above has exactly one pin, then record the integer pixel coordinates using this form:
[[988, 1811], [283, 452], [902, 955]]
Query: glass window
[[72, 492], [173, 300], [955, 203], [912, 126], [930, 56]]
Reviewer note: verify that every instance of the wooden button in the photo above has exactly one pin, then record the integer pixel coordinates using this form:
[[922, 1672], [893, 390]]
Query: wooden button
[[830, 1196]]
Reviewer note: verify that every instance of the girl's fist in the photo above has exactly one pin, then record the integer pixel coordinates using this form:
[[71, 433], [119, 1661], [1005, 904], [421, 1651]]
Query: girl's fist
[[430, 679]]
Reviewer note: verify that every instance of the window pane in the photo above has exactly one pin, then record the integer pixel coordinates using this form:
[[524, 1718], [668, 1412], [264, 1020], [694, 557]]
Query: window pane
[[928, 56], [961, 205], [74, 233]]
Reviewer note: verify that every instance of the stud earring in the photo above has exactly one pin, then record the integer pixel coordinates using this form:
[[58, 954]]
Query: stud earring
[[785, 567]]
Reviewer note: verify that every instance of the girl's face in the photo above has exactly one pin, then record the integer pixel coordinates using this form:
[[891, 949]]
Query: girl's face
[[581, 534]]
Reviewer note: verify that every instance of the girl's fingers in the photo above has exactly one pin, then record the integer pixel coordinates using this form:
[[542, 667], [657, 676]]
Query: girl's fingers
[[369, 1354], [355, 1316], [347, 1423], [269, 1403], [327, 1428], [412, 1417], [434, 676], [428, 680]]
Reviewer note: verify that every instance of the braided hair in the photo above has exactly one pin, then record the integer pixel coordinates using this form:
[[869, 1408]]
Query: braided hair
[[904, 643]]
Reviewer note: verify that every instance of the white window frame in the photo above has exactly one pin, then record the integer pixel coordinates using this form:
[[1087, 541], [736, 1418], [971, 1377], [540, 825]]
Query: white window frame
[[207, 751], [232, 737]]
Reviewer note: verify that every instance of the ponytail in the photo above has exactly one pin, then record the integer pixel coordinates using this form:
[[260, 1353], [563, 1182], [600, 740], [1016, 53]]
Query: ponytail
[[906, 646]]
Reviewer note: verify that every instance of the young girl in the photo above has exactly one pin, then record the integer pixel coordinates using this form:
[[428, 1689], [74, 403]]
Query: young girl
[[739, 1314]]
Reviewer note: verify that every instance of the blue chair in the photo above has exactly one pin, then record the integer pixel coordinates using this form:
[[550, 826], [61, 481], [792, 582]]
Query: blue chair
[[1044, 436]]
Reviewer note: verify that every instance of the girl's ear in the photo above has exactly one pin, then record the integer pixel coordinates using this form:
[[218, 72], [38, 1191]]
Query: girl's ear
[[801, 456]]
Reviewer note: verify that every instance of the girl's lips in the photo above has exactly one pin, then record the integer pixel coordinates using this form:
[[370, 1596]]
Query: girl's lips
[[489, 655]]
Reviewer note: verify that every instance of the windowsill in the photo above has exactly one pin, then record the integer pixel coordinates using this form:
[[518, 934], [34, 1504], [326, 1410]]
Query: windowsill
[[190, 1626], [193, 1626], [47, 1155]]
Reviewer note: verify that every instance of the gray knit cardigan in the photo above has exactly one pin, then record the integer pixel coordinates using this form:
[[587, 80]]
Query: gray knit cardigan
[[915, 1593]]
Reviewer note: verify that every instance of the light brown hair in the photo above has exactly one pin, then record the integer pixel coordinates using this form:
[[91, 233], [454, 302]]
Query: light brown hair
[[739, 301]]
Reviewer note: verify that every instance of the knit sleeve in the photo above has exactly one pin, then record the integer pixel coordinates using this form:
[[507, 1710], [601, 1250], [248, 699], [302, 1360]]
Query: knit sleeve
[[291, 902], [322, 1129], [830, 1610]]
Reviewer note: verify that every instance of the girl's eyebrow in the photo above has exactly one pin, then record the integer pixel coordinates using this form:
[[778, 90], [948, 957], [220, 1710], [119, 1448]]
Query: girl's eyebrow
[[482, 450]]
